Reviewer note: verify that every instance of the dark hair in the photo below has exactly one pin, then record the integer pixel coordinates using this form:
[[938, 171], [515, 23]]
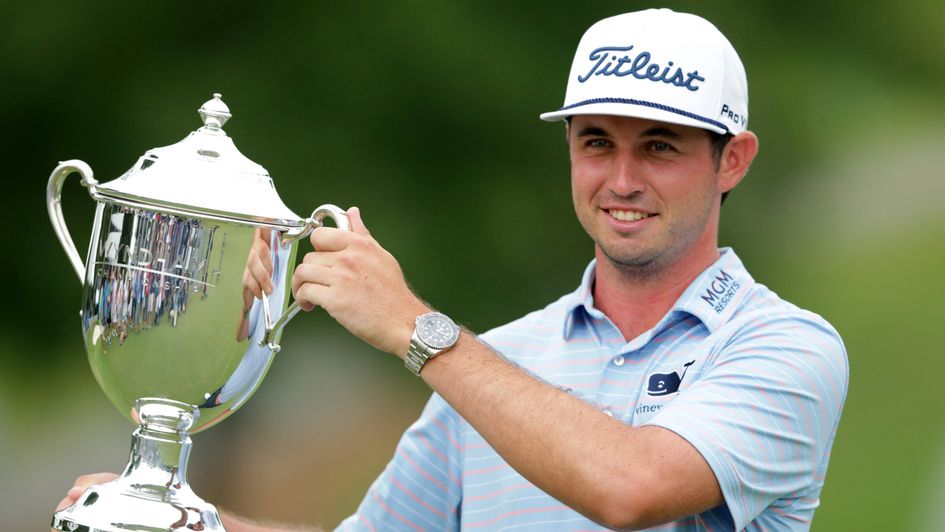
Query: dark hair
[[717, 142]]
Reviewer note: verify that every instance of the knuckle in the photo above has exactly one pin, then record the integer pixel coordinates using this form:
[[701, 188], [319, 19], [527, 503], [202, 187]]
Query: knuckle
[[304, 293], [318, 234], [362, 241], [348, 260], [89, 479], [308, 296]]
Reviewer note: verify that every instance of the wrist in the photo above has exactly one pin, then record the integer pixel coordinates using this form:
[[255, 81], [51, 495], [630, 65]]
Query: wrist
[[405, 329], [433, 333]]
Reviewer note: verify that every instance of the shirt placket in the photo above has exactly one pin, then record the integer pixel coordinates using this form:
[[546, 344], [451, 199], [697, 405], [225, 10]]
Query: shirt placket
[[615, 386]]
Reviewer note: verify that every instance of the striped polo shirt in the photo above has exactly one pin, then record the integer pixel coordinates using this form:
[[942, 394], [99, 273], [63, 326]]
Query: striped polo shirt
[[754, 383]]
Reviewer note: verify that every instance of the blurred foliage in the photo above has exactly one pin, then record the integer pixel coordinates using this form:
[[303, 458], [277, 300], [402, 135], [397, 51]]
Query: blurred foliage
[[425, 115]]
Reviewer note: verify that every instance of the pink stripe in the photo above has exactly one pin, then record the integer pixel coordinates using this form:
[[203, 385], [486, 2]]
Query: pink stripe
[[496, 493], [420, 470], [449, 433], [514, 513], [396, 515], [702, 522], [833, 383], [436, 451], [688, 522], [539, 328], [419, 501], [475, 446], [790, 516], [486, 470], [366, 523], [628, 381], [432, 448], [770, 410], [528, 346], [572, 362]]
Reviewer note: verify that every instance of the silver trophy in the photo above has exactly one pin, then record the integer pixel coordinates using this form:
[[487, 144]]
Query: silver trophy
[[181, 245]]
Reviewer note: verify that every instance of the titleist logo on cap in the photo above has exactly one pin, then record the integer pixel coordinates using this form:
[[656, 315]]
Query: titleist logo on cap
[[606, 61]]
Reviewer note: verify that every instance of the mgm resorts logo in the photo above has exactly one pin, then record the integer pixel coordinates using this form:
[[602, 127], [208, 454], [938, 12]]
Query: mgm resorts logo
[[720, 291]]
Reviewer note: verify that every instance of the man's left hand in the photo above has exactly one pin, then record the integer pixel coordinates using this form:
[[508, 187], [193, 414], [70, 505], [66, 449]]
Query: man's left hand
[[360, 285]]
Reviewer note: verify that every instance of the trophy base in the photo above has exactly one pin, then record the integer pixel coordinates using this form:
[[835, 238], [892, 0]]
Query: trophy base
[[117, 507], [152, 495]]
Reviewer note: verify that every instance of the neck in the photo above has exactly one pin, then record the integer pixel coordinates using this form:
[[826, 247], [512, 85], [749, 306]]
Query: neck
[[636, 299]]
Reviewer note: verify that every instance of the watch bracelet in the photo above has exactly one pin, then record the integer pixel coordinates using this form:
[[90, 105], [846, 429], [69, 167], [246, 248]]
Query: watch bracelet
[[416, 356]]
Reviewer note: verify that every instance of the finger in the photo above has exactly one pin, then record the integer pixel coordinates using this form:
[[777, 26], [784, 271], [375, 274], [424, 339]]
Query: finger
[[321, 258], [85, 481], [64, 503], [260, 274], [250, 283], [357, 224], [67, 501], [310, 273], [311, 295], [330, 239], [81, 484], [264, 253]]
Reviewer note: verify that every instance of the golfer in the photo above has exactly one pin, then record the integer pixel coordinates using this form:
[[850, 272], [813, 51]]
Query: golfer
[[668, 389]]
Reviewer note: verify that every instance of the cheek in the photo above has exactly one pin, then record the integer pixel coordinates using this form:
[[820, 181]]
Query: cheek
[[587, 176], [577, 194], [583, 190]]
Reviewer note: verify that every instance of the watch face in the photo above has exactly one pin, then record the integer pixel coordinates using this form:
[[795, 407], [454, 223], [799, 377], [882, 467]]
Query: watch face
[[437, 331]]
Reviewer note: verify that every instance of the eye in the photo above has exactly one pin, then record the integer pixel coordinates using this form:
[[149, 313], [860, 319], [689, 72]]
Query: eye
[[660, 146], [597, 143]]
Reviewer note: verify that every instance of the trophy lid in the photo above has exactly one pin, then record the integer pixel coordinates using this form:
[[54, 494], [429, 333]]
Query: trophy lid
[[203, 174]]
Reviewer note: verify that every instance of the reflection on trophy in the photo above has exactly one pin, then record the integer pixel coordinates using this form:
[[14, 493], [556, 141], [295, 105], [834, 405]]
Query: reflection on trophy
[[185, 294]]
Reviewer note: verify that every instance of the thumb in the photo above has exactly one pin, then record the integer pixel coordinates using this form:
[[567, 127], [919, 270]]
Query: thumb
[[357, 224]]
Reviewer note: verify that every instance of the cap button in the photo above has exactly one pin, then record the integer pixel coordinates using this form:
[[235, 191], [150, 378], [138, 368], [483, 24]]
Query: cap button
[[214, 113]]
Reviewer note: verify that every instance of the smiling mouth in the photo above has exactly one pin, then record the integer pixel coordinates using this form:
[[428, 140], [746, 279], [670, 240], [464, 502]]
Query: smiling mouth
[[628, 216]]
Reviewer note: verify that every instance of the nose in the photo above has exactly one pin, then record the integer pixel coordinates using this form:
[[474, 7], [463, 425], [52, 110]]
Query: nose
[[627, 178]]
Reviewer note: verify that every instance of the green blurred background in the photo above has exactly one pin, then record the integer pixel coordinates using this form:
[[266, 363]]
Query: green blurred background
[[378, 104]]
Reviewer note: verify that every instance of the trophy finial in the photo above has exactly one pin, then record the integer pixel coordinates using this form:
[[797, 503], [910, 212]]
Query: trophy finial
[[214, 113]]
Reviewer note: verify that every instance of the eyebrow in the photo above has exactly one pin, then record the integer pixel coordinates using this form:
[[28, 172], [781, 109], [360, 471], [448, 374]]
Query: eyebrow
[[658, 131], [661, 132], [592, 131]]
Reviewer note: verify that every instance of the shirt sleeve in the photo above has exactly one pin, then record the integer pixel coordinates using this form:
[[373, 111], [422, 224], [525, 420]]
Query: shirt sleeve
[[420, 489], [764, 411]]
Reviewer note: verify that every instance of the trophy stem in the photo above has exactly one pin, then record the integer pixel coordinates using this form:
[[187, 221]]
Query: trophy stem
[[152, 493]]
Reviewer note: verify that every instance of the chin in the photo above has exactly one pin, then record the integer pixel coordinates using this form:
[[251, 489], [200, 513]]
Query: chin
[[629, 259]]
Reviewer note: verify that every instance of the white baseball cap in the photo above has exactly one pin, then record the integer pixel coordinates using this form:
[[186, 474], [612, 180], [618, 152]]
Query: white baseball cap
[[659, 65]]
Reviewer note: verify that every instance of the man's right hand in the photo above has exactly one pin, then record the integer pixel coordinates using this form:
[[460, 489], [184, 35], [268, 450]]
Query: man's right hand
[[81, 484]]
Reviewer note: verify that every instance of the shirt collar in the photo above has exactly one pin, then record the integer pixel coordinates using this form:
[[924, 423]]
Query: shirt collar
[[718, 291], [712, 297], [582, 298]]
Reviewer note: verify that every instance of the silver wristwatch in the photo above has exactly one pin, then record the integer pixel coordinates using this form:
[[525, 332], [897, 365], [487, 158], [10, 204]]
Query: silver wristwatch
[[433, 334]]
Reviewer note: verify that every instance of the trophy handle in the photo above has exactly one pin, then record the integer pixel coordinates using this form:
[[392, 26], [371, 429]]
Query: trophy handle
[[54, 206], [317, 219]]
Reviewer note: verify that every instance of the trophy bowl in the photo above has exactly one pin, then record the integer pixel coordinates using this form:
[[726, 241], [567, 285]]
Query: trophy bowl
[[185, 294]]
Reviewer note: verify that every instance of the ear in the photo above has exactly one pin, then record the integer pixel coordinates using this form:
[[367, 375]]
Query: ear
[[736, 159]]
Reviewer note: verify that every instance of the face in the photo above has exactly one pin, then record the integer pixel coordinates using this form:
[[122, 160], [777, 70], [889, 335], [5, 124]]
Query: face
[[646, 192]]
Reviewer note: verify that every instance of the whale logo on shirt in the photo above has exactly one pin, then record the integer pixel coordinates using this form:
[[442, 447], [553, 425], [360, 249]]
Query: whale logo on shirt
[[660, 384]]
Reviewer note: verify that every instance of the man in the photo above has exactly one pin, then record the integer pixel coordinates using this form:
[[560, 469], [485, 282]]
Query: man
[[668, 389]]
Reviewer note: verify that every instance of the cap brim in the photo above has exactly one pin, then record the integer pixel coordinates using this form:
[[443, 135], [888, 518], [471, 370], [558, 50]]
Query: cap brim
[[637, 109]]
